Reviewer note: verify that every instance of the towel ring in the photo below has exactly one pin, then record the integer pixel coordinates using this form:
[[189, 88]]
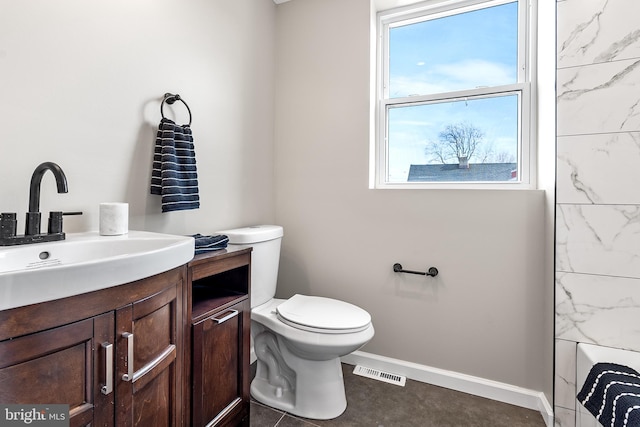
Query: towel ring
[[170, 98]]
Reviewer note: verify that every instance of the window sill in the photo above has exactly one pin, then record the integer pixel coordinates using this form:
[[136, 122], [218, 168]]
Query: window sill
[[454, 186]]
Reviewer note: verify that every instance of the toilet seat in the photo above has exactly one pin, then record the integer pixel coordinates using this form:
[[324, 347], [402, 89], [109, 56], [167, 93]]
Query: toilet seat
[[322, 315]]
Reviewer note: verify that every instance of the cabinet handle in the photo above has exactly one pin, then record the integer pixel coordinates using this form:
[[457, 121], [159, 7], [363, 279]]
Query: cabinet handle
[[108, 371], [232, 313], [129, 375]]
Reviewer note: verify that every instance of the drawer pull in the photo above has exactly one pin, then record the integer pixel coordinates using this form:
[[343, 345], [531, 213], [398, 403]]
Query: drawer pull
[[108, 371], [129, 375], [232, 314]]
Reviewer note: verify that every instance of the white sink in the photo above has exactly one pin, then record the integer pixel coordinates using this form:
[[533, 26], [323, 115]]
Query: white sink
[[85, 262]]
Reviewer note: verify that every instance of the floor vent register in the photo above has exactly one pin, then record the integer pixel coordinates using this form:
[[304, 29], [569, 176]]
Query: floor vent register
[[386, 377]]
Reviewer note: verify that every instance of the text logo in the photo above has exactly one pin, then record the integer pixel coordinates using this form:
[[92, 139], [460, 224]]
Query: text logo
[[34, 415]]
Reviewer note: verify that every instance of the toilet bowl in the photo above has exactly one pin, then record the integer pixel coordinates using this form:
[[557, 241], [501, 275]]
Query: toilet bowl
[[298, 341], [299, 370]]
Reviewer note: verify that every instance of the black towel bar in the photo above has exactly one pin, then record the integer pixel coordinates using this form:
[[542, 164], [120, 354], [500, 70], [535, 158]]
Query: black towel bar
[[170, 98], [433, 272]]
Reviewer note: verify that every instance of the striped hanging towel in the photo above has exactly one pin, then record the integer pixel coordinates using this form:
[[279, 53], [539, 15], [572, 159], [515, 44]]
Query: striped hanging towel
[[174, 175]]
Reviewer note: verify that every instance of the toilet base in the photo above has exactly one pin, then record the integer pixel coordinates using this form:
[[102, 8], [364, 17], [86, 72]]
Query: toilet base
[[318, 391]]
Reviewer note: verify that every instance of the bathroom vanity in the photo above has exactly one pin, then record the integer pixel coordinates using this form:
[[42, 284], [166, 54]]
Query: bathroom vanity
[[168, 350], [114, 355], [218, 313]]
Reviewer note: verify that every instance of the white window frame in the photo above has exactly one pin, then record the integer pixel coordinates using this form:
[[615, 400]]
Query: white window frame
[[524, 87]]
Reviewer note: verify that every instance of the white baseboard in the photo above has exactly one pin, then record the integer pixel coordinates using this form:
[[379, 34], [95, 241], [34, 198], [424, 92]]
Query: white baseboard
[[477, 386]]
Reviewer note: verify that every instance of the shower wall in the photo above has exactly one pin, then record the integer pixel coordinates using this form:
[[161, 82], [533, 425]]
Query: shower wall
[[598, 197]]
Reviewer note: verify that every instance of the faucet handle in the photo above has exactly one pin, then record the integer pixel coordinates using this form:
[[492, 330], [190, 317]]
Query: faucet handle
[[8, 224], [55, 221]]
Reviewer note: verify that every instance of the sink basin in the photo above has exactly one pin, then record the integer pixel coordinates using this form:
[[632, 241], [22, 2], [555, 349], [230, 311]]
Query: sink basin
[[85, 262]]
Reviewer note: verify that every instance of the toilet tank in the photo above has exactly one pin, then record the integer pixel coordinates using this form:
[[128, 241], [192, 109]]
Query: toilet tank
[[265, 257]]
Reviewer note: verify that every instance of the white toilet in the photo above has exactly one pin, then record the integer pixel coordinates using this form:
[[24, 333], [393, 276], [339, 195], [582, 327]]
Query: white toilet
[[298, 341]]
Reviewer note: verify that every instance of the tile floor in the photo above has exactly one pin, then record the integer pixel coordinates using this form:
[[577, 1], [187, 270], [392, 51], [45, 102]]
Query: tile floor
[[372, 403]]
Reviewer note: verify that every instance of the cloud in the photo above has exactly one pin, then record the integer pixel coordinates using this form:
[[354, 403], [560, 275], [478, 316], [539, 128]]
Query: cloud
[[476, 72], [466, 74], [413, 85], [412, 123]]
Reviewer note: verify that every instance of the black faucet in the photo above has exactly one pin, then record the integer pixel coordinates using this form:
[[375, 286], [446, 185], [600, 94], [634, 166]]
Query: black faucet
[[8, 236], [33, 215]]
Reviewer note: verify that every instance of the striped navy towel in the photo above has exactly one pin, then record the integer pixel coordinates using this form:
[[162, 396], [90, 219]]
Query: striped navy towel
[[611, 393], [174, 175], [204, 244]]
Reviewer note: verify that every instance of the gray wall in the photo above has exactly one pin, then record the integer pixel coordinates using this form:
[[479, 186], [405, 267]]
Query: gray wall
[[484, 315], [598, 202], [81, 85]]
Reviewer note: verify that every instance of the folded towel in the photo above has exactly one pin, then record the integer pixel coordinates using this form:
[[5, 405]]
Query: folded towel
[[206, 244], [611, 393], [174, 175]]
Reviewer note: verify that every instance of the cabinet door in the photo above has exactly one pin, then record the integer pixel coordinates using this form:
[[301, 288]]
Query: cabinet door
[[64, 365], [149, 363], [218, 366]]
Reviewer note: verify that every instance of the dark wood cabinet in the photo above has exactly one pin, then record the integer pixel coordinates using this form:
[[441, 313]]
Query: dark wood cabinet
[[169, 350], [218, 305], [60, 366], [114, 355], [148, 367]]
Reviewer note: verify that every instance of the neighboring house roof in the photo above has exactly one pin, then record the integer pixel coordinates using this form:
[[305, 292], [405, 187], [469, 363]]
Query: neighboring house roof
[[451, 172]]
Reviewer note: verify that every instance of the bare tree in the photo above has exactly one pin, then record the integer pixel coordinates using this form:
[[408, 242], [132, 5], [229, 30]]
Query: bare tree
[[457, 141], [504, 157], [485, 154]]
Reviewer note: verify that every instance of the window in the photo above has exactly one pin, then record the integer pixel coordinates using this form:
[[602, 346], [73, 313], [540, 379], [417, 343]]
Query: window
[[453, 97]]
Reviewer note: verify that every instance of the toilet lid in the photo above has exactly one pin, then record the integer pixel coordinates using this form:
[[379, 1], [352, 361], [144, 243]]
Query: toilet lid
[[321, 314]]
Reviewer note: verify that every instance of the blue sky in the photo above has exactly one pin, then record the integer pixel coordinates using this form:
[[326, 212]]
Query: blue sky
[[464, 51]]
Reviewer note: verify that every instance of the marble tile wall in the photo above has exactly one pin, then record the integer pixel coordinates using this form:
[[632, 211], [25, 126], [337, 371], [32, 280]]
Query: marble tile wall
[[598, 185]]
